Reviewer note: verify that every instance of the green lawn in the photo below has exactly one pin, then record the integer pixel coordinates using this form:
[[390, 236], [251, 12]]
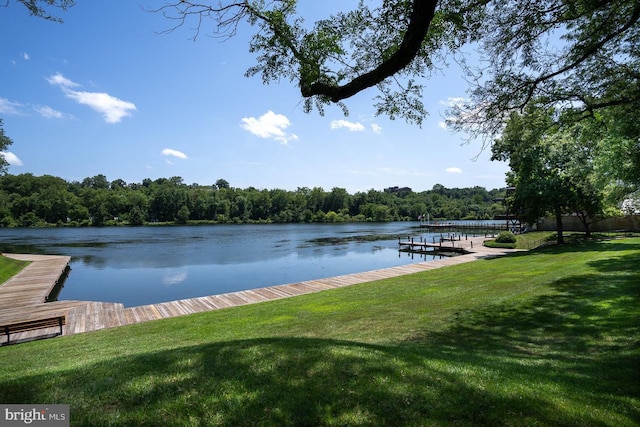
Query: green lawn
[[10, 267], [548, 337]]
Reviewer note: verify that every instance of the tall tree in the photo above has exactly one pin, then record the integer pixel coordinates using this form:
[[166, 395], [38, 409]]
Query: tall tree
[[222, 183], [552, 168]]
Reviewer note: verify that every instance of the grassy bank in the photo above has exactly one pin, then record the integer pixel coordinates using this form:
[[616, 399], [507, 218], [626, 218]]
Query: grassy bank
[[549, 337], [10, 267]]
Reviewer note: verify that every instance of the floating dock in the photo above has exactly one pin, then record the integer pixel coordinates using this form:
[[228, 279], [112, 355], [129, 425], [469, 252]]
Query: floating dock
[[442, 245]]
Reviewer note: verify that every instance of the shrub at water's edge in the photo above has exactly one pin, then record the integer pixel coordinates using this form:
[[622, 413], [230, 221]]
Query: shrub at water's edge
[[505, 240]]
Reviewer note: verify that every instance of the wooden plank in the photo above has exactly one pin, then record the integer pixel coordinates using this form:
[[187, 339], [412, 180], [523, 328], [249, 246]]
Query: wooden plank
[[206, 303]]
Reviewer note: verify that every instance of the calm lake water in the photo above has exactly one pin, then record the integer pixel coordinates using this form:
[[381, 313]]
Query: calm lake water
[[145, 265]]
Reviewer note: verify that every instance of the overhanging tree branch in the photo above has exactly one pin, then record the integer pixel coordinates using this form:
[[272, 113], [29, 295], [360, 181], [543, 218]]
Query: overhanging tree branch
[[421, 16]]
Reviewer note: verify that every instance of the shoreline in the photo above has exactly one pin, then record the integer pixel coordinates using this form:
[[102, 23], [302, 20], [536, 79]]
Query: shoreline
[[86, 316]]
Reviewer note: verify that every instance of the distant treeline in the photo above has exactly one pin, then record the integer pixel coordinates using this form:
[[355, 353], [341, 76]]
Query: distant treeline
[[28, 201]]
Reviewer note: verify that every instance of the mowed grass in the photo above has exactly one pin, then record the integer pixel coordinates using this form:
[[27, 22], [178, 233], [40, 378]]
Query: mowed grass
[[10, 267], [547, 337]]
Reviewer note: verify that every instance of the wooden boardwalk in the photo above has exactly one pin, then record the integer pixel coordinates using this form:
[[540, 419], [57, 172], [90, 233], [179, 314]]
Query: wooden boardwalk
[[23, 297], [35, 282], [85, 316]]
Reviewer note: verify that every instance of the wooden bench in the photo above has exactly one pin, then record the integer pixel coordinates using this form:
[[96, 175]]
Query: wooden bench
[[32, 325]]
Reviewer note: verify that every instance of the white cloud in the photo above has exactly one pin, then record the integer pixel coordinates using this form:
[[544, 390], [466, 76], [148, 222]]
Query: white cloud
[[376, 128], [453, 170], [174, 153], [113, 109], [60, 80], [25, 56], [11, 158], [352, 127], [269, 126], [50, 113], [442, 125], [454, 101], [9, 107]]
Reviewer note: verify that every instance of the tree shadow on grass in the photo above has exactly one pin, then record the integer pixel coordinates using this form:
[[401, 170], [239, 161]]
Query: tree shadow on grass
[[501, 365], [581, 343], [609, 245], [277, 381], [627, 263]]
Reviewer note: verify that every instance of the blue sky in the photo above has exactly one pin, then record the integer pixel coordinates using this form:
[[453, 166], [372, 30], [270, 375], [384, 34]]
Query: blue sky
[[106, 93]]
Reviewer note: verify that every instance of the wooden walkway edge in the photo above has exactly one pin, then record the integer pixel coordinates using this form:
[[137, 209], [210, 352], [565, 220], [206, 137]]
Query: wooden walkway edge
[[23, 297], [85, 316]]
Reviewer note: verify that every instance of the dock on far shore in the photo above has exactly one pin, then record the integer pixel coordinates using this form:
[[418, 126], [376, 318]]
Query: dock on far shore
[[465, 226]]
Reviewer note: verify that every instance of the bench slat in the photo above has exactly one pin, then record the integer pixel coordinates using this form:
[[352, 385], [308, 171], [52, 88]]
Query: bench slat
[[37, 324]]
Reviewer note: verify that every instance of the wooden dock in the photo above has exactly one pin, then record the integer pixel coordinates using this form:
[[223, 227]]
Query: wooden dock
[[23, 297], [442, 245], [35, 282], [477, 228], [85, 316]]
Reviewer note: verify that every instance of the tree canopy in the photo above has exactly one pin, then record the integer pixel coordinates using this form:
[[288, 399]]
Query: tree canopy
[[27, 200], [335, 58], [583, 54], [553, 168], [577, 56]]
